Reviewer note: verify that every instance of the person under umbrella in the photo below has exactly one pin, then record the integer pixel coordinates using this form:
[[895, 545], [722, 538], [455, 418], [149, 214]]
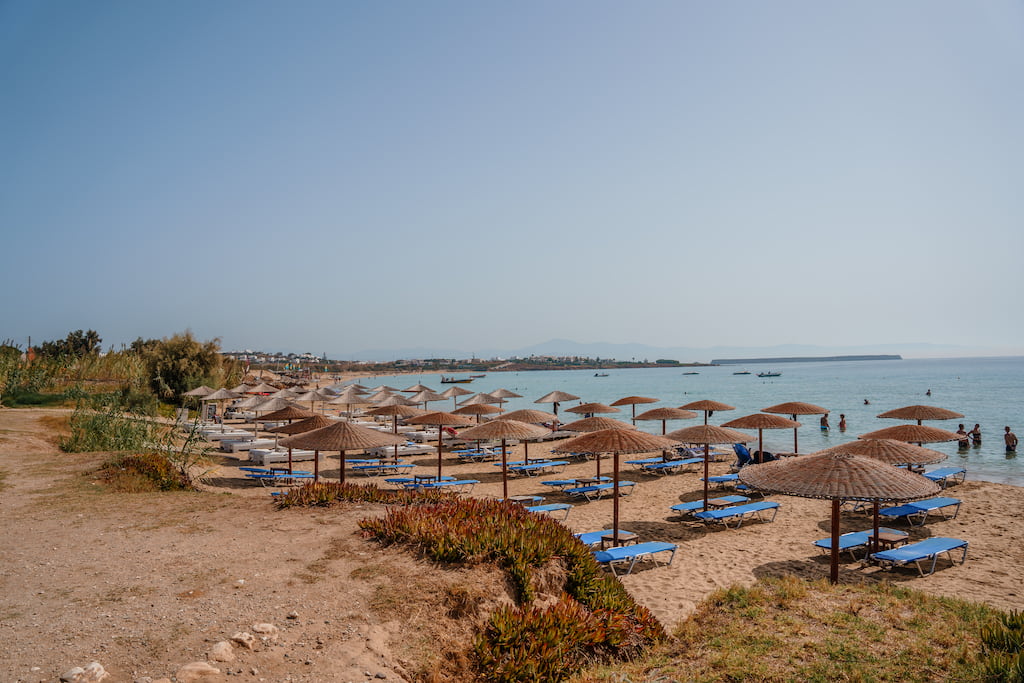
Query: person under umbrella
[[554, 398], [504, 430], [616, 442], [838, 477], [707, 436], [760, 422], [794, 408]]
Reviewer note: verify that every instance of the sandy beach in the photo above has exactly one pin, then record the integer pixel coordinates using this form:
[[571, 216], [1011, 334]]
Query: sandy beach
[[146, 583]]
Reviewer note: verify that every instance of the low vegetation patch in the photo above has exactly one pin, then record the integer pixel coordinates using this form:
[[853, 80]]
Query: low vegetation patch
[[1003, 649], [593, 620], [788, 629], [326, 494], [143, 473]]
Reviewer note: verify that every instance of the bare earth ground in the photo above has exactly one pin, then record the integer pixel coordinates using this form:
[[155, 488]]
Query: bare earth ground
[[146, 583]]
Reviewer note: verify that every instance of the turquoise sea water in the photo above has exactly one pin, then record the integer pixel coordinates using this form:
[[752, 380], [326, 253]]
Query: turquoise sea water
[[986, 390]]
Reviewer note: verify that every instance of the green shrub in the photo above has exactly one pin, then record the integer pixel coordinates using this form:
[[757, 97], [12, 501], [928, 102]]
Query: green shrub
[[143, 472], [1003, 648], [595, 618], [108, 429]]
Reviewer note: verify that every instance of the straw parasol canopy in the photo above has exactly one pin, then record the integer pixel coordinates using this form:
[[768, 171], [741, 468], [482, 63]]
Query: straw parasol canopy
[[504, 430], [289, 412], [440, 420], [477, 409], [242, 388], [348, 397], [913, 434], [301, 427], [554, 398], [707, 406], [201, 390], [616, 442], [596, 424], [426, 396], [454, 392], [261, 388], [382, 387], [920, 413], [477, 399], [416, 388], [665, 414], [221, 395], [528, 415], [889, 451], [794, 408], [341, 437], [838, 477], [590, 408], [504, 393], [394, 411], [760, 422], [390, 400], [708, 435], [633, 401]]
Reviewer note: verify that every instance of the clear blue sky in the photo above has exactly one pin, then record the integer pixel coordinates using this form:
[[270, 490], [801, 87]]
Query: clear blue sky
[[337, 176]]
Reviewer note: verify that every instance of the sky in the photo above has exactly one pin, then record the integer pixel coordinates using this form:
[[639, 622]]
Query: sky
[[339, 176]]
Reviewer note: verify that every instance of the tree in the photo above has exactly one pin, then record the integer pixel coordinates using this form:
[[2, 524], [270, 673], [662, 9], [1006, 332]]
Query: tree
[[77, 344], [180, 363]]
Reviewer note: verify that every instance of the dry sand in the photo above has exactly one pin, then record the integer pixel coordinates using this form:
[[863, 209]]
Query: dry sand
[[145, 583]]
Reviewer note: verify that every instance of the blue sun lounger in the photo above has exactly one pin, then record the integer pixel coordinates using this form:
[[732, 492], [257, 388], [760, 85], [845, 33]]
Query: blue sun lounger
[[634, 553], [595, 491], [563, 484], [739, 513], [944, 476], [535, 468], [280, 478], [550, 508], [593, 538], [855, 540], [698, 505], [460, 485], [928, 549], [402, 481], [670, 466], [917, 511]]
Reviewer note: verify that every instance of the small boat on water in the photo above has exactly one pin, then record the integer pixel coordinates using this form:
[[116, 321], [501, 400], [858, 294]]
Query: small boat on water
[[600, 374], [476, 376], [769, 374], [742, 372], [691, 373], [455, 380]]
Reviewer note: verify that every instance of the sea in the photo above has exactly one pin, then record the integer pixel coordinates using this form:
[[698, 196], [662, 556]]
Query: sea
[[985, 390]]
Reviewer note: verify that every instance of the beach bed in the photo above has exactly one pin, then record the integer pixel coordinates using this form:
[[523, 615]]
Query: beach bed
[[551, 508], [917, 512], [670, 466], [698, 505], [634, 553], [266, 456], [596, 491], [922, 551], [947, 476], [738, 513]]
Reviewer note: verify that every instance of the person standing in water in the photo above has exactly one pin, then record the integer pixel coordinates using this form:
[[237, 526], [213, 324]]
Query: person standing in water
[[1011, 441], [824, 422], [842, 422], [975, 435], [964, 439]]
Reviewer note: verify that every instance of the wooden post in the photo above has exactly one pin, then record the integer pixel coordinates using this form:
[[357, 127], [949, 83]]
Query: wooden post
[[834, 573]]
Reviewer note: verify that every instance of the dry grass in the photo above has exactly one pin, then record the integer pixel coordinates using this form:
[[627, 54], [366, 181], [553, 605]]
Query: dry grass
[[785, 629]]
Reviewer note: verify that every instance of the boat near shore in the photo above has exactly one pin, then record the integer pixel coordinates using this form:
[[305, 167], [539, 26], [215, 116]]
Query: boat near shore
[[770, 373], [742, 372], [455, 380]]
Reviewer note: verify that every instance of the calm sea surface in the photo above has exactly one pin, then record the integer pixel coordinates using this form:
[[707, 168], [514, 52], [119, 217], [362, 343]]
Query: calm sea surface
[[986, 390]]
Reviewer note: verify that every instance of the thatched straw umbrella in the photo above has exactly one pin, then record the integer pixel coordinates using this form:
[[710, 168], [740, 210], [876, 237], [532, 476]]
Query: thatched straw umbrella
[[918, 434], [529, 416], [201, 390], [760, 422], [395, 407], [554, 398], [596, 424], [302, 426], [502, 394], [586, 409], [633, 401], [426, 396], [707, 436], [794, 408], [261, 388], [220, 396], [890, 452], [665, 414], [348, 397], [440, 420], [615, 442], [476, 410], [920, 413], [838, 477], [416, 388], [504, 430], [707, 406], [454, 392], [340, 436]]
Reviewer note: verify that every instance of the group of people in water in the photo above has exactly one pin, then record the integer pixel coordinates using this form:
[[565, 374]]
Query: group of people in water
[[973, 438]]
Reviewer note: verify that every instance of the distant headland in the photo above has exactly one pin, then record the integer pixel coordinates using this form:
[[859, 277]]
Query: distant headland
[[802, 359]]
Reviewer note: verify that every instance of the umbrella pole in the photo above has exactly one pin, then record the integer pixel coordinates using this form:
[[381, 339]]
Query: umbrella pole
[[760, 444], [707, 454], [615, 498], [290, 460], [874, 542], [316, 466], [504, 472], [440, 440], [834, 569], [341, 475], [796, 448], [526, 453]]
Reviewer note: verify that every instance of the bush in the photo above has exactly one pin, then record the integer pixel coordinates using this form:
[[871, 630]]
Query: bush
[[108, 429], [143, 472], [1003, 649]]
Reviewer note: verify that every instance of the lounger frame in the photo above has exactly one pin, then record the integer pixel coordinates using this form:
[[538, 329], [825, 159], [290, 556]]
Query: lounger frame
[[634, 553], [928, 549]]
